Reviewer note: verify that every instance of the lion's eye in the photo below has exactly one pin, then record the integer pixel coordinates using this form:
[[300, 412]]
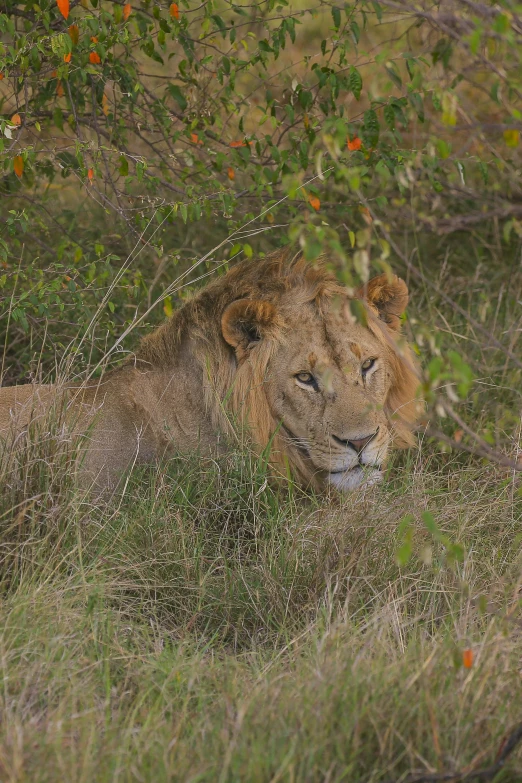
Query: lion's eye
[[307, 378], [367, 365]]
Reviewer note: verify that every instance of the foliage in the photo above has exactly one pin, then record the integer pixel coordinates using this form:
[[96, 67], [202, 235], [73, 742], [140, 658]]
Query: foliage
[[187, 112]]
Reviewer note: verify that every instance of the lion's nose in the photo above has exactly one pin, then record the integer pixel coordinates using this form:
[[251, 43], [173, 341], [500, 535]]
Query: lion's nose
[[360, 443], [357, 444]]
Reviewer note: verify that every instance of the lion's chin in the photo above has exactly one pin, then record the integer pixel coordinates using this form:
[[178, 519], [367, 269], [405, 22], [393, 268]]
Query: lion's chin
[[354, 478]]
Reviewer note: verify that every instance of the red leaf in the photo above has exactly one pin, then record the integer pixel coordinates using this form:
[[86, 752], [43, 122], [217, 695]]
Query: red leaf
[[63, 7], [174, 10], [467, 659], [354, 144], [18, 165]]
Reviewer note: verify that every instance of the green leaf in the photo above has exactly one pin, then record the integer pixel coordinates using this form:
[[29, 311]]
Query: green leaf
[[371, 128], [389, 116], [355, 82], [378, 11], [393, 73], [58, 117], [416, 101], [220, 24], [178, 96], [501, 24], [305, 99], [474, 41], [336, 16], [264, 46]]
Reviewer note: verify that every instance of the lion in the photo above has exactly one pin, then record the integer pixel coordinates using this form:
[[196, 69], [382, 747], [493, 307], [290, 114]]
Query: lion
[[321, 377]]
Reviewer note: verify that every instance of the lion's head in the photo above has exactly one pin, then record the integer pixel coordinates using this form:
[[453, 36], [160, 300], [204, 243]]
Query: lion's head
[[333, 385], [323, 377]]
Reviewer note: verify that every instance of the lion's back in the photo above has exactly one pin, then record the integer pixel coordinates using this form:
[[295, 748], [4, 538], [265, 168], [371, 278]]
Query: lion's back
[[22, 405]]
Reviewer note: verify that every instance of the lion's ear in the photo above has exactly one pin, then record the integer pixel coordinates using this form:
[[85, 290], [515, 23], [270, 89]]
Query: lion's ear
[[388, 294], [246, 321]]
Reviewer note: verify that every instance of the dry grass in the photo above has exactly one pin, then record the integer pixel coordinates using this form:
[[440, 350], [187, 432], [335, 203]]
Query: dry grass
[[211, 628]]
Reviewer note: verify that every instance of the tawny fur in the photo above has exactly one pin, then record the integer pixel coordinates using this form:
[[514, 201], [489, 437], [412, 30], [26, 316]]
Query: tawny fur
[[207, 368]]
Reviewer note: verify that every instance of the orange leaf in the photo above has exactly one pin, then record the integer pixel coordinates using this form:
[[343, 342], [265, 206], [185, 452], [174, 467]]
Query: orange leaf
[[458, 435], [367, 215], [16, 119], [54, 74], [90, 174], [94, 38], [195, 138], [314, 203], [127, 10], [63, 7], [74, 32], [231, 173], [354, 144], [467, 658], [94, 58], [18, 165], [105, 104], [306, 121], [67, 58], [59, 89], [174, 11], [2, 76]]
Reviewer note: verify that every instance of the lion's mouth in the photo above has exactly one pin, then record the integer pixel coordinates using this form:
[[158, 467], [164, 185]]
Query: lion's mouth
[[362, 465], [356, 477]]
